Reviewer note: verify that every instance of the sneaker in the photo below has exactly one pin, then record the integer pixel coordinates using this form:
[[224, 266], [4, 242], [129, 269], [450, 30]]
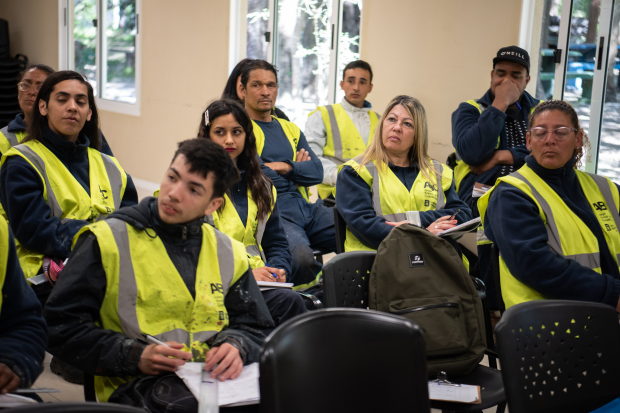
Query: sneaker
[[67, 372]]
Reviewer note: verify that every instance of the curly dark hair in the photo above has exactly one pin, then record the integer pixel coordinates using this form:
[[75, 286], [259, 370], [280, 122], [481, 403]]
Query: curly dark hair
[[259, 184], [567, 109]]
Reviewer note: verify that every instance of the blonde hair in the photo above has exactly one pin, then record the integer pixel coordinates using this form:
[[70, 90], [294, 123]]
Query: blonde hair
[[418, 152]]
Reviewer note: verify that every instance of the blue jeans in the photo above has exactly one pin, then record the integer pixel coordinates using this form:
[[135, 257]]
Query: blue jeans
[[307, 227]]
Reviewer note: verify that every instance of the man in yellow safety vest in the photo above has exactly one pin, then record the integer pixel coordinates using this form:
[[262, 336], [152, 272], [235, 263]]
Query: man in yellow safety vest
[[158, 269], [338, 133]]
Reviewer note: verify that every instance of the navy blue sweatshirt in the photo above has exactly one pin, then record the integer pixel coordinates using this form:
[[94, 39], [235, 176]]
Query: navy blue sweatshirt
[[274, 242], [18, 125], [474, 137], [278, 149], [512, 222], [23, 331], [354, 200], [21, 193]]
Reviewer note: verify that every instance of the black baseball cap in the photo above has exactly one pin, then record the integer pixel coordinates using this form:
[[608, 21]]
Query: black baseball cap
[[513, 54]]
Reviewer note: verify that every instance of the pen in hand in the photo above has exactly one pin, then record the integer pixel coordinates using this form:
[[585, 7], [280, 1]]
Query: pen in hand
[[453, 215], [153, 340]]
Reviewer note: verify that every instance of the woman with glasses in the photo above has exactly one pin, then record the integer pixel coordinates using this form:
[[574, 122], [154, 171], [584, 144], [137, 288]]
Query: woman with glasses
[[30, 81], [556, 227]]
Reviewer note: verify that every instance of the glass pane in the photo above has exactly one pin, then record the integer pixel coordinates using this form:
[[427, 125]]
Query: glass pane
[[349, 48], [85, 39], [580, 63], [548, 43], [118, 57], [609, 148], [302, 56], [258, 20]]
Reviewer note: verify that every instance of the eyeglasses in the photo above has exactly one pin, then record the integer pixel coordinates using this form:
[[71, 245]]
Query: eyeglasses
[[559, 133], [25, 87]]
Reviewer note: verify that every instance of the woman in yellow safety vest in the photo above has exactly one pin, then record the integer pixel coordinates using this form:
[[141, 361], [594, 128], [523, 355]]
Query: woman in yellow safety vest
[[56, 181], [249, 213], [555, 226], [394, 181], [30, 82]]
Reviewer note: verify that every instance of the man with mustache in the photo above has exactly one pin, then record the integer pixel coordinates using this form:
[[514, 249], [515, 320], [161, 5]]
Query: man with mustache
[[292, 166]]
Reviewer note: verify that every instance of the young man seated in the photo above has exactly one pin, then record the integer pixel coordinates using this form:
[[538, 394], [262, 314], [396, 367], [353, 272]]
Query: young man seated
[[158, 269]]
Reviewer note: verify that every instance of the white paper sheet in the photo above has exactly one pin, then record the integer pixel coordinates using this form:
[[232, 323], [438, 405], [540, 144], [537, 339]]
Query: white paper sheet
[[243, 390], [463, 394], [13, 400]]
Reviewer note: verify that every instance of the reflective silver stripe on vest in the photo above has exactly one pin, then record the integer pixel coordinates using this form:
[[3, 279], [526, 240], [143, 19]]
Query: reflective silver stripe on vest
[[209, 220], [336, 138], [39, 164], [10, 136], [395, 217], [116, 179], [376, 197], [441, 199], [592, 260], [260, 231], [128, 289], [480, 236]]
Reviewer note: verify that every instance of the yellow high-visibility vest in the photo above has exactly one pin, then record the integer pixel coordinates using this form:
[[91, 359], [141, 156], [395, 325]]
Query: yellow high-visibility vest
[[145, 293], [251, 234], [343, 141], [4, 254], [293, 133], [10, 139], [568, 235], [391, 199], [65, 195]]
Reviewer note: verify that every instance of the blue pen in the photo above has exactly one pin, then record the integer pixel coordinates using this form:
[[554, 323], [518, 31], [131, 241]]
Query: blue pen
[[519, 106], [273, 273]]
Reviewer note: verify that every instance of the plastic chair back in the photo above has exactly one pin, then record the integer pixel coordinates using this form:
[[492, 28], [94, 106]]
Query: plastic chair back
[[76, 408], [345, 279], [341, 231], [559, 356], [344, 360]]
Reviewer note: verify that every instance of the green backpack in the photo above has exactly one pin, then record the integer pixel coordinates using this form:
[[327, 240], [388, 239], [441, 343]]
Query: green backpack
[[420, 276]]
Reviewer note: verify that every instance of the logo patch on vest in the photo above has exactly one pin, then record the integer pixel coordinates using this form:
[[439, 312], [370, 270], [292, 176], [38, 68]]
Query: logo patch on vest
[[600, 206], [416, 260], [217, 287], [429, 185]]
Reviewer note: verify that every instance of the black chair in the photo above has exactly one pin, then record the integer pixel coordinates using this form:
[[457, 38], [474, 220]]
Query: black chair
[[499, 300], [559, 356], [318, 254], [77, 408], [341, 231], [344, 360], [345, 280]]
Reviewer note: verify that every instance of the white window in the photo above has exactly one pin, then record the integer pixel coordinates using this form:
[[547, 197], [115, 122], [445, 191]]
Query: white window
[[574, 49], [310, 42], [101, 40]]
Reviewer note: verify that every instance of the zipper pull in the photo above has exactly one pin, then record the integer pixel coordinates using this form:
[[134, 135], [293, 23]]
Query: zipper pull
[[184, 237]]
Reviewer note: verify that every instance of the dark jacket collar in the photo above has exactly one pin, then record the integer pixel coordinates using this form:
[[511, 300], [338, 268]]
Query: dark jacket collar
[[527, 101], [567, 172], [145, 216], [17, 124], [62, 148]]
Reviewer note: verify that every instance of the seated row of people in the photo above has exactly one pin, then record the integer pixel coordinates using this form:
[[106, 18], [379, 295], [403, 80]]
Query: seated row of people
[[248, 169]]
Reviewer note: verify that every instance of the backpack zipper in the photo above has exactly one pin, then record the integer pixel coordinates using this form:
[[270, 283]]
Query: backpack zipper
[[427, 307]]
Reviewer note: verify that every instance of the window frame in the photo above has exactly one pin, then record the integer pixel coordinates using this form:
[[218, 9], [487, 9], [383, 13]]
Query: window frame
[[65, 55], [238, 31]]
